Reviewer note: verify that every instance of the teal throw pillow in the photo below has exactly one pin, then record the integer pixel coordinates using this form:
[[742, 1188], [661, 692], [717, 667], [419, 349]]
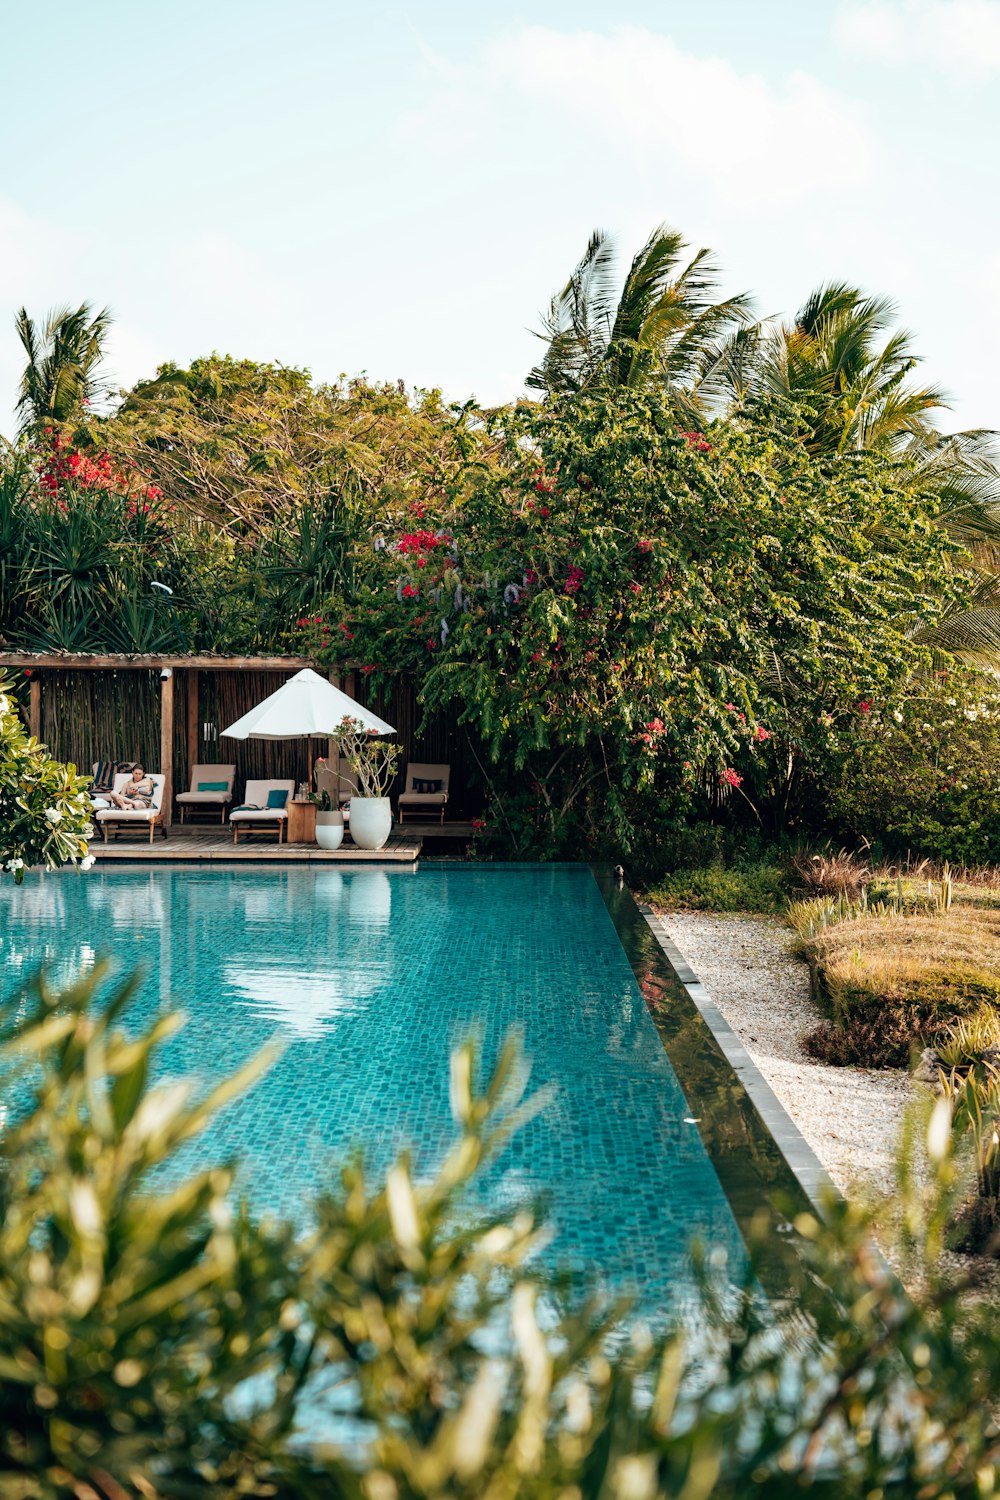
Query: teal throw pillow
[[277, 799], [213, 786]]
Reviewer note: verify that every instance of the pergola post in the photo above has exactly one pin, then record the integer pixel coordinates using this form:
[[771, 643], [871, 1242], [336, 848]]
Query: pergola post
[[192, 720], [167, 741], [35, 707]]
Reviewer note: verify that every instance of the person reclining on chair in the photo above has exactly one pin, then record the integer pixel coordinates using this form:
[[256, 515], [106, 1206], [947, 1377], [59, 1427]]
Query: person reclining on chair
[[137, 792]]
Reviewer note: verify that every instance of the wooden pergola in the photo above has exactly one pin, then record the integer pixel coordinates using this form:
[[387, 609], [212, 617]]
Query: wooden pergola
[[33, 663]]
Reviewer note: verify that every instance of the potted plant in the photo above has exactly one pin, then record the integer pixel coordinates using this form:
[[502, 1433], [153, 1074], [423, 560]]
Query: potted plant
[[373, 763], [329, 822]]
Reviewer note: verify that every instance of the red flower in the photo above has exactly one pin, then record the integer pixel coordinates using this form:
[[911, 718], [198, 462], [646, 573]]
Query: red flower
[[432, 645], [761, 734], [636, 587], [409, 592], [864, 707], [729, 777], [645, 546]]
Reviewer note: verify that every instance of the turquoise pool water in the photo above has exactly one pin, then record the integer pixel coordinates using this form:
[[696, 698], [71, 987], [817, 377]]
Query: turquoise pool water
[[370, 977]]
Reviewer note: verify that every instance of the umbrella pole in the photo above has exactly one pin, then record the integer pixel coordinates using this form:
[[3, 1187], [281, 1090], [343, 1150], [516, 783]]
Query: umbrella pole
[[310, 739]]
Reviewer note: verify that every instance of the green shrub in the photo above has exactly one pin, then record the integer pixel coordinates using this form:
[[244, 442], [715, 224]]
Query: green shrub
[[759, 888], [165, 1345], [45, 811]]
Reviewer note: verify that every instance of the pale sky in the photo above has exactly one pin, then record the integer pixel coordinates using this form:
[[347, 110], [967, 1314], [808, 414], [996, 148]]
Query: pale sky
[[398, 189]]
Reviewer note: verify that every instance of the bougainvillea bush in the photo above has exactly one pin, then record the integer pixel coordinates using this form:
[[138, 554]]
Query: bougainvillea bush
[[924, 776], [44, 807], [634, 619]]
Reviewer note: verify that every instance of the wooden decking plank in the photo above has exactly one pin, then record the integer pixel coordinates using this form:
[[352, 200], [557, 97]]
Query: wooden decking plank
[[192, 845]]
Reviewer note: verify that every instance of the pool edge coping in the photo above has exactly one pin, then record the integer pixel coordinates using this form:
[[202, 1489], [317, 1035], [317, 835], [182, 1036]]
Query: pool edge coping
[[802, 1161]]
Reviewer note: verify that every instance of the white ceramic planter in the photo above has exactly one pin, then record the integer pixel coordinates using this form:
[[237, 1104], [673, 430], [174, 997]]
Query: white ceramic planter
[[371, 821], [330, 829]]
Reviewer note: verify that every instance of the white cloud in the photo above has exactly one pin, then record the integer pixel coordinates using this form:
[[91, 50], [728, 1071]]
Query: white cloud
[[742, 134], [957, 36]]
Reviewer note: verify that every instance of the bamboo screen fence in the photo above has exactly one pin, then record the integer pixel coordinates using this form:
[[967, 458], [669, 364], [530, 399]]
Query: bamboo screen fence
[[94, 715]]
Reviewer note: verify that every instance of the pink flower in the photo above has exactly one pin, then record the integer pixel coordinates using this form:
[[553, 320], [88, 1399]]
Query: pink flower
[[645, 546], [730, 707], [761, 734], [729, 777], [656, 725]]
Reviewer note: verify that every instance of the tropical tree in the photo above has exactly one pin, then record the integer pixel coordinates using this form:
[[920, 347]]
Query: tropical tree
[[844, 371], [236, 442], [657, 330], [63, 356]]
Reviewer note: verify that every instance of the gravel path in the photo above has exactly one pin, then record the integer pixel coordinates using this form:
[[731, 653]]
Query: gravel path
[[850, 1116]]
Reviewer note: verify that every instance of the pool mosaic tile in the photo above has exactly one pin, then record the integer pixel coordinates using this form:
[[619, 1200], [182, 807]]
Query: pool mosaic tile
[[369, 977]]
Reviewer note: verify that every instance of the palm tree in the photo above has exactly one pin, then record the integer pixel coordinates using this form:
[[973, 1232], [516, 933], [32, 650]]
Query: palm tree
[[831, 360], [62, 360], [655, 332]]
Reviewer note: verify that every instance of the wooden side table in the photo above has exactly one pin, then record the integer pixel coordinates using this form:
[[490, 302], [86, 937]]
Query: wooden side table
[[301, 822]]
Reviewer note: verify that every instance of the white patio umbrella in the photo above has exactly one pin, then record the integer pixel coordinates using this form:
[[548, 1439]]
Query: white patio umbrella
[[304, 706]]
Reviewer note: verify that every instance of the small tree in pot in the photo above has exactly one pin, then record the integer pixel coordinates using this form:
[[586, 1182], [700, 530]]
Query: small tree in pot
[[373, 762]]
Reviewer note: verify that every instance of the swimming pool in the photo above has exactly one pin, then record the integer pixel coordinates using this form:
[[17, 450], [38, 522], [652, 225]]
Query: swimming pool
[[371, 976]]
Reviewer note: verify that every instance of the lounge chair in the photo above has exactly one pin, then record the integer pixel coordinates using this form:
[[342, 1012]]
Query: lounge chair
[[426, 789], [211, 787], [256, 816], [143, 817]]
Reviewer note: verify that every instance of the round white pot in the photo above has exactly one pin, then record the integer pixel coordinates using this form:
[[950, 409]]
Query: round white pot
[[371, 821], [330, 829]]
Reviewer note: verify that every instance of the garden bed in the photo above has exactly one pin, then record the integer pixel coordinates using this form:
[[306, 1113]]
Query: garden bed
[[892, 980]]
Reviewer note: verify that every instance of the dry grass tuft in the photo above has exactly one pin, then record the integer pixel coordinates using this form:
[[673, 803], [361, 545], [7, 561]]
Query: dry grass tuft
[[831, 872]]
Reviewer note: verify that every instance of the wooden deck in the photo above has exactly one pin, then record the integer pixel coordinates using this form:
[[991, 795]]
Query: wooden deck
[[435, 830], [196, 844]]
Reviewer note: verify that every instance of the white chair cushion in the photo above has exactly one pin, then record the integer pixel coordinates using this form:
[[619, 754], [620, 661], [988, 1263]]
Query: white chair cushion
[[425, 799], [204, 797], [132, 814], [258, 814]]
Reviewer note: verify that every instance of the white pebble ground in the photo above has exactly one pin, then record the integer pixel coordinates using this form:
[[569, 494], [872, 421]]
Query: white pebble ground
[[850, 1116]]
